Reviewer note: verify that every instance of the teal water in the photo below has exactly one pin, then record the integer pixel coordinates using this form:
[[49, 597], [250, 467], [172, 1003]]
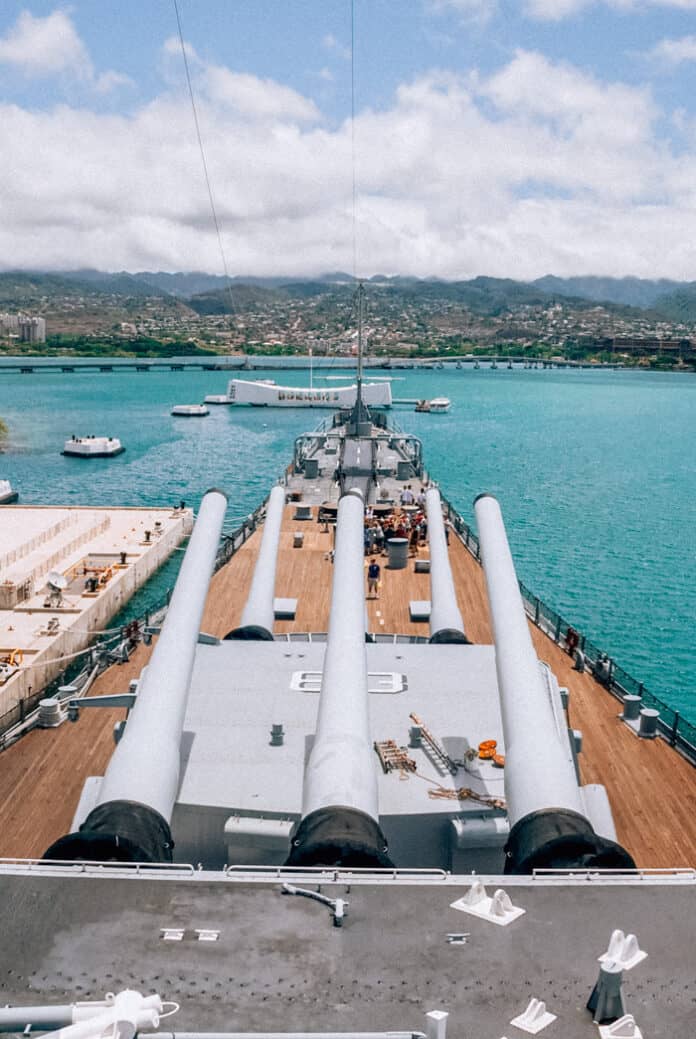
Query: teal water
[[595, 472]]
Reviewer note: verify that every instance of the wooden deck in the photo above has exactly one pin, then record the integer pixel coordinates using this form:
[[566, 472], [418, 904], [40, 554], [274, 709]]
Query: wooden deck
[[651, 788]]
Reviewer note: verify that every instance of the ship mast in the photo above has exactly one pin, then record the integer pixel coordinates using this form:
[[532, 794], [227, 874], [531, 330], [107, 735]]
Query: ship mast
[[360, 422], [358, 396]]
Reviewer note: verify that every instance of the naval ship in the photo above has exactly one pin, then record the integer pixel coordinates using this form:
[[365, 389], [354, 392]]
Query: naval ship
[[328, 815]]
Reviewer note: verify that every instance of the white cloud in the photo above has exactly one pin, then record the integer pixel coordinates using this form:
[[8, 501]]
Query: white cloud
[[556, 10], [172, 47], [536, 168], [257, 98], [572, 100], [480, 11], [334, 46], [51, 46], [45, 46], [108, 81], [674, 52]]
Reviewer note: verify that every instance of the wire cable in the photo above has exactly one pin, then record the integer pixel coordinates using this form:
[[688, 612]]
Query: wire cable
[[352, 137], [203, 158]]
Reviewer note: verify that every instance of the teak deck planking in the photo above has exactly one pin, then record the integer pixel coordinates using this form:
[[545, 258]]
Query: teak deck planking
[[651, 788]]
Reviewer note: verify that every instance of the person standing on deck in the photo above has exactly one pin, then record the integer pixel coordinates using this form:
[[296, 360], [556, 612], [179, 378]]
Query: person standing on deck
[[373, 572]]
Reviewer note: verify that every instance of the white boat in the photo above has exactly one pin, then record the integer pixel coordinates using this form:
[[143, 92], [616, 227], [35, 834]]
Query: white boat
[[7, 493], [217, 398], [264, 394], [190, 410], [93, 447], [436, 406]]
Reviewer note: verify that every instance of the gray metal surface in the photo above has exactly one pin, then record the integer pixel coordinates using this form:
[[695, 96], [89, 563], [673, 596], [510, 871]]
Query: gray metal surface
[[444, 611], [539, 769], [280, 965], [341, 767], [258, 610], [145, 765], [239, 689]]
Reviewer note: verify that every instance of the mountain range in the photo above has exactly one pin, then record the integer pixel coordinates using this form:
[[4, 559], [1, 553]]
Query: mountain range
[[210, 294]]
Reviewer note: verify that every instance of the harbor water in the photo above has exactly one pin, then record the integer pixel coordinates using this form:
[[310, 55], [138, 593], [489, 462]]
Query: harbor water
[[594, 470]]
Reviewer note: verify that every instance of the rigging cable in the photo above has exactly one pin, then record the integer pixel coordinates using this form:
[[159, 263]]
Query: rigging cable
[[352, 135], [203, 158]]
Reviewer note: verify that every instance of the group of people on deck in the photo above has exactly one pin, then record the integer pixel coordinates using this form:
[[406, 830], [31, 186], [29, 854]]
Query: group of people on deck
[[410, 525]]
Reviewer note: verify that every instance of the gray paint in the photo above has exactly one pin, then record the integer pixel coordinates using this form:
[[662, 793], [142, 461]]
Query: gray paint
[[444, 611], [539, 769], [340, 770], [145, 765], [258, 610], [279, 964]]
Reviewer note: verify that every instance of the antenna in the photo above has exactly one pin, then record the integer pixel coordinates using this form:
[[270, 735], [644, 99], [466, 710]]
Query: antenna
[[358, 398]]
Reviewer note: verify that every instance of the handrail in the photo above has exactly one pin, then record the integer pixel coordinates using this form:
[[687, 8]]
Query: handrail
[[340, 874], [81, 866]]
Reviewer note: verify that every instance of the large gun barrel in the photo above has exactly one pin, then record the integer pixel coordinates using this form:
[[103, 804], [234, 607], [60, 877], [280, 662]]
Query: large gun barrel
[[339, 823], [549, 826], [446, 624], [258, 615], [134, 808]]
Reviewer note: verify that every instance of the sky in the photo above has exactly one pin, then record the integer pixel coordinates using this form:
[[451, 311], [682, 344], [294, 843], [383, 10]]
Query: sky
[[510, 138]]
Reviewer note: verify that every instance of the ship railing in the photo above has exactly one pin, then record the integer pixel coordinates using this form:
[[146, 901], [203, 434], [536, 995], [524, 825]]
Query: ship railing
[[384, 638], [640, 874], [175, 870], [336, 875], [676, 730]]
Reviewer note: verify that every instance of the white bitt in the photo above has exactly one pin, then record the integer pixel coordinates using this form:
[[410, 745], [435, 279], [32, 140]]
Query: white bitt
[[126, 1014], [436, 1024], [497, 910], [535, 1017], [624, 1028], [476, 894], [623, 950]]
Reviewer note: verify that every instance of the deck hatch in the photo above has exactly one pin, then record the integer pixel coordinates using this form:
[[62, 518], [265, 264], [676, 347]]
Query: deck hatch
[[377, 682]]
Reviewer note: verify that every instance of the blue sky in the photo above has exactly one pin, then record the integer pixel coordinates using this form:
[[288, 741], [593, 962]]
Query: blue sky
[[491, 136]]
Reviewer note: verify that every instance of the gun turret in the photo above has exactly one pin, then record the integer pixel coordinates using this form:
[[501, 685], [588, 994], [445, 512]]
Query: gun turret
[[446, 624], [258, 615], [548, 821], [340, 819], [130, 822]]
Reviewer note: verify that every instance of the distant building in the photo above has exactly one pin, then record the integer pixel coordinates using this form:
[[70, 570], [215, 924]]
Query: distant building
[[32, 329], [27, 329], [9, 324]]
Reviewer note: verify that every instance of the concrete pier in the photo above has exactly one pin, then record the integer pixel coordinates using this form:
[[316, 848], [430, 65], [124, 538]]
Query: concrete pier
[[101, 556]]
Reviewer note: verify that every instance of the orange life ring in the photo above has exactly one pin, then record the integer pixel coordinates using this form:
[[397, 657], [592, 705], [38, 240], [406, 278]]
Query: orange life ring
[[487, 749], [499, 760]]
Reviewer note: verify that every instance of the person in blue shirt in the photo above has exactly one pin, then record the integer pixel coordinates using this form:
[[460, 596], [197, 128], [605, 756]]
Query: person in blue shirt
[[373, 573]]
